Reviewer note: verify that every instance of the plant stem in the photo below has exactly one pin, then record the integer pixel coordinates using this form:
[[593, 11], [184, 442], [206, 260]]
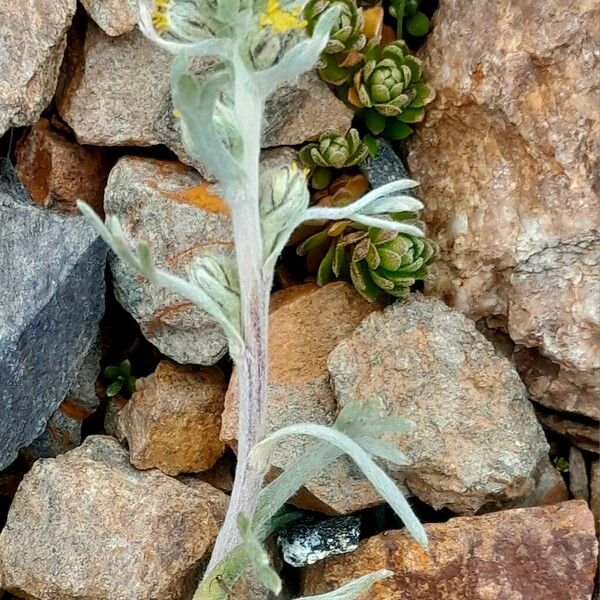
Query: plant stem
[[255, 289]]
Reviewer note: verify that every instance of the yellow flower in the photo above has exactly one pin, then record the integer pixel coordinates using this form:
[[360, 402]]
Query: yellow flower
[[160, 20], [281, 20]]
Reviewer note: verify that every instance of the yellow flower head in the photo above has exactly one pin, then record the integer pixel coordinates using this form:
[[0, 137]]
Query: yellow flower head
[[160, 19], [281, 20]]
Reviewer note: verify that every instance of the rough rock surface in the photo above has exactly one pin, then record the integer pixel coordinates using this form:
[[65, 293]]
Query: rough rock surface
[[168, 205], [595, 493], [578, 477], [306, 323], [32, 44], [507, 160], [583, 433], [173, 419], [531, 553], [120, 95], [476, 440], [51, 302], [96, 528], [114, 17], [58, 172]]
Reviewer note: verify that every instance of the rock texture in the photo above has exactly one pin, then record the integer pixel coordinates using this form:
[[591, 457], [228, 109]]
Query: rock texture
[[58, 172], [578, 477], [168, 205], [547, 552], [584, 433], [114, 17], [173, 420], [32, 44], [476, 440], [51, 302], [96, 528], [306, 324], [595, 493], [119, 94], [507, 160]]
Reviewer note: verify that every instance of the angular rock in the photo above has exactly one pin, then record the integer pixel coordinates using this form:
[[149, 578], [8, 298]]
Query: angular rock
[[584, 433], [595, 493], [173, 419], [114, 17], [546, 552], [550, 488], [578, 477], [57, 172], [170, 206], [385, 167], [306, 323], [506, 163], [51, 302], [32, 44], [119, 94], [476, 440], [96, 528]]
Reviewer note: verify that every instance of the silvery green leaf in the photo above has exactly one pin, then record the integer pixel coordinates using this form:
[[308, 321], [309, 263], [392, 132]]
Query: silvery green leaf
[[384, 450], [353, 590], [378, 478]]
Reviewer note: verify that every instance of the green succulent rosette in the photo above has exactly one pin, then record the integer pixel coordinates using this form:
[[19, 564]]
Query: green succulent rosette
[[335, 150], [376, 261], [388, 87]]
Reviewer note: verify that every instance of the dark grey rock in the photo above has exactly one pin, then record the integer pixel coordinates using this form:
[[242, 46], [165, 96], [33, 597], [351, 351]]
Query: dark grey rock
[[384, 168], [51, 301], [307, 541], [578, 477]]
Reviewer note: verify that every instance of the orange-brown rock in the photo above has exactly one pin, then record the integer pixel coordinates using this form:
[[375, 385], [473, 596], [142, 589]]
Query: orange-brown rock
[[173, 419], [525, 554], [305, 326], [57, 172], [507, 161]]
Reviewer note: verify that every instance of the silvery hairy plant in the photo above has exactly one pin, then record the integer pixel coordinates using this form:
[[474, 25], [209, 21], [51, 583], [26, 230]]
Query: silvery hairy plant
[[259, 45]]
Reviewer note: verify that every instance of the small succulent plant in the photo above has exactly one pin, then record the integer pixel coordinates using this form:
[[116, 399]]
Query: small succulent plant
[[120, 378], [343, 51], [389, 86], [335, 150], [561, 464], [410, 18], [375, 260]]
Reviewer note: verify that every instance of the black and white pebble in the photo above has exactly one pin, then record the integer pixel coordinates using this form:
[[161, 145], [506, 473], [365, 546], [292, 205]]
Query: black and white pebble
[[309, 540]]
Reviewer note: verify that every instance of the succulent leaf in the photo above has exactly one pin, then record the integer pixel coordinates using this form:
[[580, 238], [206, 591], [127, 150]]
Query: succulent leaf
[[335, 150]]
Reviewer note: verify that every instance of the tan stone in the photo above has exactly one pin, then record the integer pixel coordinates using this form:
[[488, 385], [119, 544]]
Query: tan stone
[[172, 208], [305, 326], [582, 433], [507, 160], [32, 44], [58, 172], [118, 93], [173, 419], [114, 17], [475, 441], [530, 554], [93, 528]]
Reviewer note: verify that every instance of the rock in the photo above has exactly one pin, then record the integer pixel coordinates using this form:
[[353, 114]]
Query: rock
[[476, 440], [51, 301], [220, 476], [119, 95], [385, 167], [173, 419], [305, 542], [529, 553], [114, 17], [57, 172], [595, 493], [306, 323], [32, 44], [506, 162], [578, 478], [168, 205], [112, 423], [582, 432], [96, 528]]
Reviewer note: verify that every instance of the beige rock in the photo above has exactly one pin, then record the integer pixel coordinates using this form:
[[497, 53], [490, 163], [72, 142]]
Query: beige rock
[[583, 433], [96, 528], [171, 207], [58, 172], [119, 94], [530, 554], [173, 419], [306, 324], [32, 44], [475, 441], [506, 161], [550, 488], [114, 17]]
